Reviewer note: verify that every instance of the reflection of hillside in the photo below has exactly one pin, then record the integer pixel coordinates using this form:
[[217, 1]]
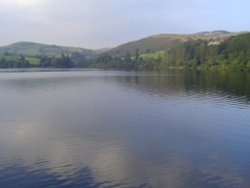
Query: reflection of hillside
[[229, 83], [165, 84], [179, 83]]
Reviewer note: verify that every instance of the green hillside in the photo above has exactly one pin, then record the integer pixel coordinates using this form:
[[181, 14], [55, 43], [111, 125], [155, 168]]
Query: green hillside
[[37, 49], [29, 54], [164, 42], [208, 50]]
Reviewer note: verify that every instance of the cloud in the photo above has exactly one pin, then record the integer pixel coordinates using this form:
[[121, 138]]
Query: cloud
[[98, 23]]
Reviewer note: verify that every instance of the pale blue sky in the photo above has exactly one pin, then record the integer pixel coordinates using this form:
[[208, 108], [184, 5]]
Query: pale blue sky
[[107, 23]]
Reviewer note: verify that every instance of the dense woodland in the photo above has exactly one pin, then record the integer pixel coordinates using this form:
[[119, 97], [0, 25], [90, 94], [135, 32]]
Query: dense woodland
[[230, 54]]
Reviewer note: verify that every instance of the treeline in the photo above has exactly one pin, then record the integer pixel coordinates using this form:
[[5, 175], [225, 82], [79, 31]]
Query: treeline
[[10, 61], [60, 61]]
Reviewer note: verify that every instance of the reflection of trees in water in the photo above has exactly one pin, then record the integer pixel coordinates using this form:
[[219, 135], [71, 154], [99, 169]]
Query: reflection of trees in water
[[170, 83], [180, 82], [232, 83]]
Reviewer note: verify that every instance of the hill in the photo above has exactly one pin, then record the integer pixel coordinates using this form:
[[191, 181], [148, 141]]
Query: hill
[[30, 49], [218, 50], [164, 42]]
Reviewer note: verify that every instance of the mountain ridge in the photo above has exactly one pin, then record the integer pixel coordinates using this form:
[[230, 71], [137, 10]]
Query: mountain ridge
[[26, 48], [153, 43], [165, 42]]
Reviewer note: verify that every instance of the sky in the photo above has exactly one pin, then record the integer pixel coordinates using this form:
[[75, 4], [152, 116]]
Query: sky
[[108, 23]]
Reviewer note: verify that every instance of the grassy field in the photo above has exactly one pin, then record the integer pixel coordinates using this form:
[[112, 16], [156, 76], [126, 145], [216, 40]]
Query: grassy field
[[154, 55], [17, 58], [33, 60], [9, 57]]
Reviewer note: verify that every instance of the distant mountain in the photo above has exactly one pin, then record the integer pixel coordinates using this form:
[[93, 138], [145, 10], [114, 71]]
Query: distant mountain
[[164, 42], [33, 49]]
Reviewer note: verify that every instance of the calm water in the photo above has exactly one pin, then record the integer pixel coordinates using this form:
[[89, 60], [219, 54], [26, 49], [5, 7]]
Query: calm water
[[124, 129]]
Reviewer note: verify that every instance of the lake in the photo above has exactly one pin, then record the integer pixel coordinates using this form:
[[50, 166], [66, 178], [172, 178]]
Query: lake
[[94, 128]]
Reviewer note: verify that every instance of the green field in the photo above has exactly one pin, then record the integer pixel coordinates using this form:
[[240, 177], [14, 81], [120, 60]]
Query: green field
[[9, 57], [33, 60], [154, 55]]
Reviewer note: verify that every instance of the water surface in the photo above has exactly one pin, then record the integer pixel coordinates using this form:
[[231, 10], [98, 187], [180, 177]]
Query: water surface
[[124, 129]]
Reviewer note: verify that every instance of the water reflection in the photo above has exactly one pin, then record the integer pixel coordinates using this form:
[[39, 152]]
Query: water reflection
[[124, 129], [232, 84]]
